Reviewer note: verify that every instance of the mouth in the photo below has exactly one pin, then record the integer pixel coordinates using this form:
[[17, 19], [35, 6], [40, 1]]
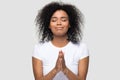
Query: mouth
[[59, 28]]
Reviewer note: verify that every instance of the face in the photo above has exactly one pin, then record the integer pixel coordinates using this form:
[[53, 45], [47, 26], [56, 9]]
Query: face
[[59, 23]]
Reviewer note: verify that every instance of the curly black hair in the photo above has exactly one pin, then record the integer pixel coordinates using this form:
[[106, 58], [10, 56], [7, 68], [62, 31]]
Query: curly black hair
[[75, 19]]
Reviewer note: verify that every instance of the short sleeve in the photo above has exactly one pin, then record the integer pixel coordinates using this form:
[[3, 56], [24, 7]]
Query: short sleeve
[[36, 53], [84, 51]]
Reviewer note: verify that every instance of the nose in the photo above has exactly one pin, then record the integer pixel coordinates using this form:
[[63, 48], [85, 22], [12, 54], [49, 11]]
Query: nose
[[58, 22]]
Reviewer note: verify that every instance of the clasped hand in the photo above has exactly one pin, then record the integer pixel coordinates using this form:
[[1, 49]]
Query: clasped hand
[[60, 64]]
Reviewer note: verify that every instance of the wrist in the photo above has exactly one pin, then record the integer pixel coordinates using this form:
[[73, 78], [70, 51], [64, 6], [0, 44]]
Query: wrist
[[65, 71], [55, 71]]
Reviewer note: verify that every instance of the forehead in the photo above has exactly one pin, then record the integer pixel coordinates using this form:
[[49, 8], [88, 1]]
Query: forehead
[[60, 13]]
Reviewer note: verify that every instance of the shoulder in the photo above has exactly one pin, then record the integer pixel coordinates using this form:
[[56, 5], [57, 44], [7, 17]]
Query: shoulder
[[80, 44], [39, 49], [40, 45], [83, 44], [83, 50]]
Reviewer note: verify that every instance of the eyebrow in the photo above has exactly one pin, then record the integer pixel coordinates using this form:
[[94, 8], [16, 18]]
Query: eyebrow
[[61, 17]]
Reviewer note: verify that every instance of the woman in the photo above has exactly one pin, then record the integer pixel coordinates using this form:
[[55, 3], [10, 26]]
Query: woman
[[60, 54]]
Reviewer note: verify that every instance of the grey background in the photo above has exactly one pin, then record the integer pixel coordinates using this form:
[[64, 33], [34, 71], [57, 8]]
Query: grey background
[[18, 37]]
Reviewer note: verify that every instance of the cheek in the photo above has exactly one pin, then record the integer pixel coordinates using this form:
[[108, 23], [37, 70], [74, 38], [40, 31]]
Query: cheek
[[51, 25], [67, 25]]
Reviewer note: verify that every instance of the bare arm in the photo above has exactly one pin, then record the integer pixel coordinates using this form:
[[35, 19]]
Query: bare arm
[[38, 70], [60, 66], [82, 70]]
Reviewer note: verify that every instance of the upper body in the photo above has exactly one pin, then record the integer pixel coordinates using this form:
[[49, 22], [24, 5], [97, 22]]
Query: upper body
[[48, 54], [60, 52]]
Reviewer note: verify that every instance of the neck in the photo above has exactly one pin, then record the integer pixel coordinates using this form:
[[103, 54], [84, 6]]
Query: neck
[[60, 41]]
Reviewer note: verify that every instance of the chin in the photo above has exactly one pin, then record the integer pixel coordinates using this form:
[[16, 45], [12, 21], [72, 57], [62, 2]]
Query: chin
[[60, 35]]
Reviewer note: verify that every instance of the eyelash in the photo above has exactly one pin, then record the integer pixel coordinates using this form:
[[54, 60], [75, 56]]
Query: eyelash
[[64, 20]]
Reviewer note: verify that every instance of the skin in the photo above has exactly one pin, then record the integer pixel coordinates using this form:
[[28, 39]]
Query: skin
[[59, 25]]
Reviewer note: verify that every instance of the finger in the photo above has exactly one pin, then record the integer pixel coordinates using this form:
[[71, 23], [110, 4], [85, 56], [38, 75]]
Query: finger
[[60, 60], [61, 55], [60, 63], [61, 52]]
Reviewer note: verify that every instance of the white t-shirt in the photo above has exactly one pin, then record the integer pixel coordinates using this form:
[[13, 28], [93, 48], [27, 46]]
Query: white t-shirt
[[48, 53]]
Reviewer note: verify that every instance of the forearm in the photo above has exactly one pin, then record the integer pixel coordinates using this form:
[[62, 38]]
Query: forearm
[[71, 75], [49, 76]]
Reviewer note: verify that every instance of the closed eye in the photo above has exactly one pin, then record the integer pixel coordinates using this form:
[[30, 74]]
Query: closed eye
[[53, 19], [64, 19]]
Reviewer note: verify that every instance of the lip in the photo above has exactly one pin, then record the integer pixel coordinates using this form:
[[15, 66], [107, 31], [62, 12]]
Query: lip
[[59, 28]]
